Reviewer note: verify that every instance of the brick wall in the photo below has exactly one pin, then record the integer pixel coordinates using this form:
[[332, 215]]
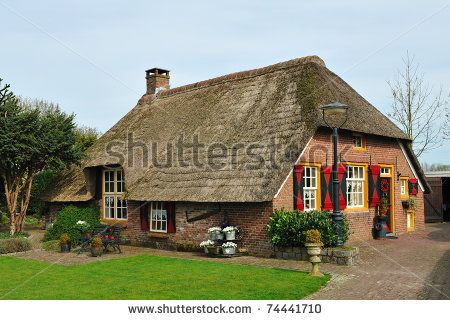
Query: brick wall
[[252, 218], [378, 150]]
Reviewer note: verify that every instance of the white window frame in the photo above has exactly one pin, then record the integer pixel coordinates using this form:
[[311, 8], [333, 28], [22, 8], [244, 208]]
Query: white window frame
[[310, 182], [360, 180], [404, 191], [385, 172], [360, 138], [157, 211], [115, 194]]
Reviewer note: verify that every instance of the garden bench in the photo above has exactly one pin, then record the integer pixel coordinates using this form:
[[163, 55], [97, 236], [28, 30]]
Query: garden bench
[[112, 237], [86, 241]]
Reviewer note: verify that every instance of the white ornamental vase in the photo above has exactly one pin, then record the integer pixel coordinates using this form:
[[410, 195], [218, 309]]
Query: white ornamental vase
[[230, 235]]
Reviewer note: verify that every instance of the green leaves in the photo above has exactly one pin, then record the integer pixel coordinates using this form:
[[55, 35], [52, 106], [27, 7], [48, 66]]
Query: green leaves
[[288, 228]]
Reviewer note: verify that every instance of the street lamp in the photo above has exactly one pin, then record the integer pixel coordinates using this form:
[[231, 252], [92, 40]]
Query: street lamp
[[335, 116]]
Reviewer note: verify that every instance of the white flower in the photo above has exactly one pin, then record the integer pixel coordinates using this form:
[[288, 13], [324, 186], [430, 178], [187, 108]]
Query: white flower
[[81, 222], [229, 229], [229, 245], [214, 230], [206, 243]]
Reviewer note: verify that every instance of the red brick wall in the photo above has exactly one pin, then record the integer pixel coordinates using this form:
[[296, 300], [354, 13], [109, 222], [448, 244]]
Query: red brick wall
[[380, 151], [252, 218]]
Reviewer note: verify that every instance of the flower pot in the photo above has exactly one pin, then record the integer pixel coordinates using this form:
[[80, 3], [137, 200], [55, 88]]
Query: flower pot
[[405, 204], [65, 247], [229, 250], [213, 250], [230, 235], [214, 236], [314, 250], [96, 251]]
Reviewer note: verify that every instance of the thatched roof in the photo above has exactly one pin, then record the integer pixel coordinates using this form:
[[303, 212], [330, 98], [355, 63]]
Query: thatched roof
[[276, 107]]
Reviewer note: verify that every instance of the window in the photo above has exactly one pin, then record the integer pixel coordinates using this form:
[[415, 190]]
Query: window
[[310, 188], [355, 186], [404, 187], [359, 142], [114, 205], [385, 171], [158, 217]]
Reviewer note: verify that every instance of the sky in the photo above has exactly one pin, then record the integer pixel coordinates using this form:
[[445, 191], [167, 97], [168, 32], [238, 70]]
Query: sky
[[90, 56]]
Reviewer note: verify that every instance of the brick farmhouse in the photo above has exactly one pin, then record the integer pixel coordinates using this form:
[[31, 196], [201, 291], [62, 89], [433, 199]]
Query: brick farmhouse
[[237, 147]]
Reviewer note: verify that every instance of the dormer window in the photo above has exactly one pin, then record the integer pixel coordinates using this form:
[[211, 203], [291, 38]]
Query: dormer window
[[359, 142], [114, 204]]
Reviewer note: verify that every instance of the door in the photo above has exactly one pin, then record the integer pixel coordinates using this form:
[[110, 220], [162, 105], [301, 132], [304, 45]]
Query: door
[[385, 186]]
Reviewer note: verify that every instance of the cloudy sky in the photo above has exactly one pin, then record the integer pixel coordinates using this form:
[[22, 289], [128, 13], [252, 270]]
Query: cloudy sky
[[90, 56]]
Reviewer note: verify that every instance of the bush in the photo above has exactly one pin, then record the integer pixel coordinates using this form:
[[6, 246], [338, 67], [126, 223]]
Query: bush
[[288, 228], [41, 182], [52, 245], [7, 235], [14, 245], [66, 221], [3, 218]]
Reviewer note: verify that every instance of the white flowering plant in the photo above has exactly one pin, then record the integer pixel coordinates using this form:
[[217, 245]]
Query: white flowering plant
[[214, 230], [229, 245], [83, 226], [229, 229], [206, 243]]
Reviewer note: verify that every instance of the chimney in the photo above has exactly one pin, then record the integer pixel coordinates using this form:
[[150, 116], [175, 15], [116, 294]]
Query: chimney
[[157, 80]]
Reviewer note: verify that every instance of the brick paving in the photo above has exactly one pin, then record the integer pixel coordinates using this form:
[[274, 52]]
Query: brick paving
[[415, 266]]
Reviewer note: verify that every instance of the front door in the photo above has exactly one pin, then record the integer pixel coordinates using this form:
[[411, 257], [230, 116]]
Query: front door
[[385, 186]]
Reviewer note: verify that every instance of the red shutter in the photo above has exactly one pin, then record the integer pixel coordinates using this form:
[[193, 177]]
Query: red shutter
[[171, 227], [326, 187], [342, 177], [144, 217], [298, 188], [374, 185], [413, 186]]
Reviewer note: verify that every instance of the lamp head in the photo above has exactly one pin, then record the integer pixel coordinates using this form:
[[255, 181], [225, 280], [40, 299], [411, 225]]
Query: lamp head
[[335, 114]]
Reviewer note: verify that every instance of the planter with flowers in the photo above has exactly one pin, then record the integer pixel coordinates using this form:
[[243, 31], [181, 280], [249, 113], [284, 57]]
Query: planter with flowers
[[230, 232], [85, 229], [229, 248], [314, 247], [380, 225], [215, 233], [97, 246], [206, 244], [64, 242]]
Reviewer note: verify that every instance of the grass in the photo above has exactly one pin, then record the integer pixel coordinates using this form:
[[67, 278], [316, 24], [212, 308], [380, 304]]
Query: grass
[[152, 277]]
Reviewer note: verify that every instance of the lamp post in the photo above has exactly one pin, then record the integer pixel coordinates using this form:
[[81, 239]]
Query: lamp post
[[335, 116]]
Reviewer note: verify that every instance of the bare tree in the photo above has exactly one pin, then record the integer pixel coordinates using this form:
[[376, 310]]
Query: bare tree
[[416, 108]]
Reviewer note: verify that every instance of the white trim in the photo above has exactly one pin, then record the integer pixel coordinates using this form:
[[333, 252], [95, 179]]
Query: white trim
[[290, 172], [410, 165]]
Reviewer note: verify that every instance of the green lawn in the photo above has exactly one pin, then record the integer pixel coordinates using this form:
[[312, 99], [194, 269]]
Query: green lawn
[[151, 277]]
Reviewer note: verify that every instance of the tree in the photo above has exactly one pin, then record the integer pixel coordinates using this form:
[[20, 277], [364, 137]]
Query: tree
[[31, 140], [85, 137], [416, 108]]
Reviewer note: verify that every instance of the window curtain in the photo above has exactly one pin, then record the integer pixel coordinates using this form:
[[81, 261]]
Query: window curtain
[[413, 186]]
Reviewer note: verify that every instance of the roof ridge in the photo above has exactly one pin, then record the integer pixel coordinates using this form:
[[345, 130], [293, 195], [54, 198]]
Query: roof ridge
[[241, 75]]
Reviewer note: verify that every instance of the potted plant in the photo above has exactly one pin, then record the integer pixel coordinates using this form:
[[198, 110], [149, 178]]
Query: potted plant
[[213, 249], [230, 232], [64, 242], [97, 246], [314, 247], [206, 244], [380, 224], [405, 204], [412, 204], [215, 233], [229, 248]]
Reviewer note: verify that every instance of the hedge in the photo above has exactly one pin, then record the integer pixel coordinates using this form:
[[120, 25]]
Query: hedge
[[288, 228], [14, 245], [66, 220]]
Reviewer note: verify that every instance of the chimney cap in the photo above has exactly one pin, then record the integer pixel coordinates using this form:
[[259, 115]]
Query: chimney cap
[[157, 71]]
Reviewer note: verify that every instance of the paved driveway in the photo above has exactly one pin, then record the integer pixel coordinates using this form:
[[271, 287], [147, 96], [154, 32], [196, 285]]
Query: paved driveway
[[415, 266]]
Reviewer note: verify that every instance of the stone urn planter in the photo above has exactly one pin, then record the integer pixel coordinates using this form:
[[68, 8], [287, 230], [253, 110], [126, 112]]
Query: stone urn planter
[[314, 248]]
